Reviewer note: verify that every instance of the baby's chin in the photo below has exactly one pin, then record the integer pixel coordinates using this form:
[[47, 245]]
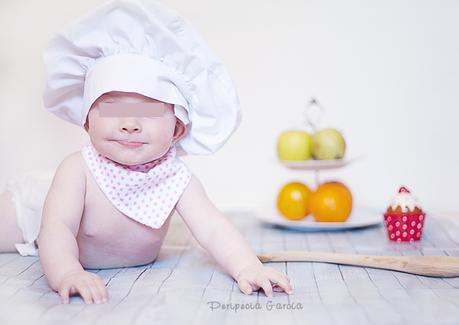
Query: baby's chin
[[131, 156]]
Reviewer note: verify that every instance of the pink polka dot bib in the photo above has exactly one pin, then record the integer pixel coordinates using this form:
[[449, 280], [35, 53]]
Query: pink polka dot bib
[[146, 193]]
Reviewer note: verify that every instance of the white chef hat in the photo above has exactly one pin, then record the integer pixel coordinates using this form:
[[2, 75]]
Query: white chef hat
[[143, 47]]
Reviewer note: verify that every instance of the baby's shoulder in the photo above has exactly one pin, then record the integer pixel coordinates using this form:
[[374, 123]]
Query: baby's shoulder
[[72, 163], [70, 175], [75, 159]]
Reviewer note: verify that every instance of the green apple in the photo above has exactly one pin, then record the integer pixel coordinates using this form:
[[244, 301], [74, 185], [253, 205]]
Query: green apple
[[328, 144], [294, 145]]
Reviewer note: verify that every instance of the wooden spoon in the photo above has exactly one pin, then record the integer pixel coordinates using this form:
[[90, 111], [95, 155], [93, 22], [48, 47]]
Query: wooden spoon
[[436, 266]]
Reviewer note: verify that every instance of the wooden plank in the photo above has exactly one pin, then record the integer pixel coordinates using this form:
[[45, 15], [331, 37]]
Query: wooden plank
[[180, 284]]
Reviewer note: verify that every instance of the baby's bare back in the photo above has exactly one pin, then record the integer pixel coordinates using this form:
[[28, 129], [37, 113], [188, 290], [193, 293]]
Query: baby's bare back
[[108, 238]]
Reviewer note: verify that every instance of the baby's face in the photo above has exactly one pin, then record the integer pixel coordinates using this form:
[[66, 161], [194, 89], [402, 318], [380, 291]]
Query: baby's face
[[129, 138]]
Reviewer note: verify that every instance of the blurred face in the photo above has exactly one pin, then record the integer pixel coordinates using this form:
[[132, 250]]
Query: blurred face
[[132, 129]]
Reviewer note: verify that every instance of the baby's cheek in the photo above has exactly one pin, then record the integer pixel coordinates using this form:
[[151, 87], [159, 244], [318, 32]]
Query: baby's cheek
[[161, 131], [97, 131]]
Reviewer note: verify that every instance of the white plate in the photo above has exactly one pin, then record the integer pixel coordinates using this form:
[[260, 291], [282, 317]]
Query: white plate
[[360, 217], [314, 164]]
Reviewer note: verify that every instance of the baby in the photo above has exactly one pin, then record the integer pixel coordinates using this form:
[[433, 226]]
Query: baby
[[110, 204]]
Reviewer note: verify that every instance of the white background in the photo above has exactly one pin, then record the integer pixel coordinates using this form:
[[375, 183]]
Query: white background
[[387, 73]]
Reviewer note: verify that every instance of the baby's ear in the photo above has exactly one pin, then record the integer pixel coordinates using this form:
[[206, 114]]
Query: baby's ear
[[86, 124], [180, 130]]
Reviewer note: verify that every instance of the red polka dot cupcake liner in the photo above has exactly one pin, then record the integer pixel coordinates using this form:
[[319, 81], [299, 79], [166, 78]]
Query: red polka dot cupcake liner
[[404, 227]]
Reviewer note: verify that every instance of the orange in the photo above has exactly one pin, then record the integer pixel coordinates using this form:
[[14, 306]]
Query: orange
[[293, 201], [331, 202]]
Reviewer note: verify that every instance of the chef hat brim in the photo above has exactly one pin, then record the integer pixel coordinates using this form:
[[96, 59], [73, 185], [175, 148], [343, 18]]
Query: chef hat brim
[[133, 73]]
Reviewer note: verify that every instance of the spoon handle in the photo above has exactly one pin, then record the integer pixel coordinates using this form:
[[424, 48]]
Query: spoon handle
[[436, 266]]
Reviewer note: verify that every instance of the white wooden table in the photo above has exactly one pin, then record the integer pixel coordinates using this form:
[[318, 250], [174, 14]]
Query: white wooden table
[[185, 286]]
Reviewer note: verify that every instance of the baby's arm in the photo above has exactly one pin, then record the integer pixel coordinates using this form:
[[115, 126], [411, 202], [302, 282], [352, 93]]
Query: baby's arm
[[58, 249], [224, 242]]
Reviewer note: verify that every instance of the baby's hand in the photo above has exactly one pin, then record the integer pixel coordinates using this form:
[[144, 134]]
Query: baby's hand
[[255, 276], [87, 284]]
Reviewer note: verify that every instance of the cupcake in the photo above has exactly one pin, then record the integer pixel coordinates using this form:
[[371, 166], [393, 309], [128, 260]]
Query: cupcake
[[404, 218]]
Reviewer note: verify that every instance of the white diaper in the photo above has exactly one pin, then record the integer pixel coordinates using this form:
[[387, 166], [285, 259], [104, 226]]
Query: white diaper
[[28, 194]]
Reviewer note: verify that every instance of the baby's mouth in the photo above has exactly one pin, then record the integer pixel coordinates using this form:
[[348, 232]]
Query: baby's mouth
[[130, 144]]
